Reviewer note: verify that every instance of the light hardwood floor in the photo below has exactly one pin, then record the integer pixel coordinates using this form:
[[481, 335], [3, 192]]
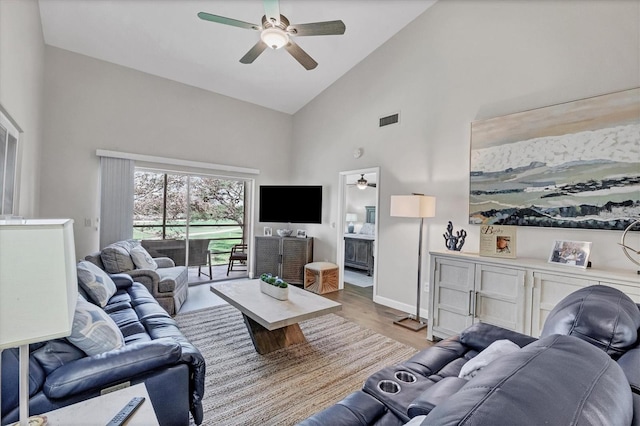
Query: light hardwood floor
[[358, 306]]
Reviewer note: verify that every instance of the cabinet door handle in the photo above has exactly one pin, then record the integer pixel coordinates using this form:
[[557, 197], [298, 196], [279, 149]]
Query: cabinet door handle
[[475, 304], [470, 304]]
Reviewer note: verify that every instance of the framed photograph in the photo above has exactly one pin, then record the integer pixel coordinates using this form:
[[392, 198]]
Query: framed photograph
[[268, 231], [301, 233], [498, 241], [570, 253]]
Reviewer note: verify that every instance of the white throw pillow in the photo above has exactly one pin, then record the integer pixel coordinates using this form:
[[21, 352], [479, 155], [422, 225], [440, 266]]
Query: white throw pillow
[[142, 259], [484, 358], [415, 421], [93, 331], [116, 258], [95, 282], [367, 229]]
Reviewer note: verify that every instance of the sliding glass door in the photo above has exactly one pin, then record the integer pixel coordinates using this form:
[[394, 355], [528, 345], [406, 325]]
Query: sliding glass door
[[217, 212], [159, 206], [193, 219]]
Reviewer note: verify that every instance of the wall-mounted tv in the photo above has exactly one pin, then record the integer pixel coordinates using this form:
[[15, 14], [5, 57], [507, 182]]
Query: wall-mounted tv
[[291, 203]]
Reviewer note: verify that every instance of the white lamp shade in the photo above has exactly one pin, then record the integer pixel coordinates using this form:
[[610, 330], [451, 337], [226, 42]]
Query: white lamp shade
[[351, 217], [413, 206], [38, 280]]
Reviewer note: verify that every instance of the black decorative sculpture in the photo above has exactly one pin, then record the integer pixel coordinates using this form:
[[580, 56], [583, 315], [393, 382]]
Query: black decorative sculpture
[[454, 242]]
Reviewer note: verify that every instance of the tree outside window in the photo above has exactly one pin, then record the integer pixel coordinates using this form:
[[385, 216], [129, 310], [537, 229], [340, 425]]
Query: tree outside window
[[215, 210]]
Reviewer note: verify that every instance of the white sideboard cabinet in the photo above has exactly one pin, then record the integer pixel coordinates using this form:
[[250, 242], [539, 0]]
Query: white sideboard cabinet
[[516, 294]]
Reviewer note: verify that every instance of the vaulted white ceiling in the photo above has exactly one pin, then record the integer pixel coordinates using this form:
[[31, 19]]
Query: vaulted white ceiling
[[166, 38]]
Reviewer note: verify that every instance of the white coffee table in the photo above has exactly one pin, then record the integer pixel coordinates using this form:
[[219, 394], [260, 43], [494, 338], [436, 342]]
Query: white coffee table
[[273, 323]]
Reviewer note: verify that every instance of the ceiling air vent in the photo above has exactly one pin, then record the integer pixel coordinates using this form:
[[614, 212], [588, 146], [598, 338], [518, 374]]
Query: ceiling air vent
[[390, 119]]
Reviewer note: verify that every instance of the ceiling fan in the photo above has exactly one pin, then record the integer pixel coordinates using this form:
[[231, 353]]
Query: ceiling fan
[[276, 32], [362, 183]]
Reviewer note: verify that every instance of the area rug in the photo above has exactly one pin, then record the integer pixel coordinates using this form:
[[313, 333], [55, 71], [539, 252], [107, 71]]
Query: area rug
[[290, 384], [358, 279]]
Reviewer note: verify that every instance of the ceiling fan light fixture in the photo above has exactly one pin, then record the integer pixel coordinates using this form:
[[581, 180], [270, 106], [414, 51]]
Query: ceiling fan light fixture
[[275, 38], [362, 182]]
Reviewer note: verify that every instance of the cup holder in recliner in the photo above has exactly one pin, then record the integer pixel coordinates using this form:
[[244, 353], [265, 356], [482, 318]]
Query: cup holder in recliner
[[405, 376], [388, 386]]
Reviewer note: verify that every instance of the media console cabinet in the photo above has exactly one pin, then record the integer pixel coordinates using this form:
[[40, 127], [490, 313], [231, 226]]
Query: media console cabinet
[[516, 294], [284, 257]]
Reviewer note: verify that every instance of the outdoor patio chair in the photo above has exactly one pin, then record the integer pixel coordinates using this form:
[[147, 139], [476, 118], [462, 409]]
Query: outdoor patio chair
[[238, 256], [199, 255]]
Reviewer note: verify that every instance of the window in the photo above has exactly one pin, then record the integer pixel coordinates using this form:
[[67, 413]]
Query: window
[[8, 165], [180, 206]]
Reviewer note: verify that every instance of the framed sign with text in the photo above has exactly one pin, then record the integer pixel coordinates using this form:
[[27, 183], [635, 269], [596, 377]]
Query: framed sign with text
[[498, 241]]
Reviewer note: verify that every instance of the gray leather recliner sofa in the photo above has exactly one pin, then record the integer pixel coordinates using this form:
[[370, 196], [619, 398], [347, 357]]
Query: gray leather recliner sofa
[[584, 370], [155, 353]]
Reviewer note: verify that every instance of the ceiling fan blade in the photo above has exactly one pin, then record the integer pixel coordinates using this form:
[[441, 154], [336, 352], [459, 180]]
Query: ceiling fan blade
[[300, 55], [254, 52], [272, 11], [228, 21], [318, 28]]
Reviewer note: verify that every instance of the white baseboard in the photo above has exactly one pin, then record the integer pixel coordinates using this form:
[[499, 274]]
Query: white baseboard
[[410, 309]]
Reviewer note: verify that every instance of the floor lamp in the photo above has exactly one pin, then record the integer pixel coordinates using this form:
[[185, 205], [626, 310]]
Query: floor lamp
[[38, 289], [417, 206]]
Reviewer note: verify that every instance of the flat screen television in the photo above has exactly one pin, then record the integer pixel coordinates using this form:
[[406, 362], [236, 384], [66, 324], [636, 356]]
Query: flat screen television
[[291, 203]]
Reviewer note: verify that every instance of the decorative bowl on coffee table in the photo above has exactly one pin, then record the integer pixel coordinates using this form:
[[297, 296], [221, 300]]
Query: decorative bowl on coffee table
[[274, 287]]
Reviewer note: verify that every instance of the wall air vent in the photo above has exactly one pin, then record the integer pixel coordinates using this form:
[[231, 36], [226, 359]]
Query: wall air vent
[[390, 119]]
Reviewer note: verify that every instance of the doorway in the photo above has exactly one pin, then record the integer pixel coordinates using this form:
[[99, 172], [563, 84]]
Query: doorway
[[357, 231]]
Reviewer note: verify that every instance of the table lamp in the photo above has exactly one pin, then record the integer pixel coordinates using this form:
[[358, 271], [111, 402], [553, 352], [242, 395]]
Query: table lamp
[[38, 288], [351, 217], [417, 206]]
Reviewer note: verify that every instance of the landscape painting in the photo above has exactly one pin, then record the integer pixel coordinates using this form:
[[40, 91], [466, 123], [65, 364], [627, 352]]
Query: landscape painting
[[573, 165]]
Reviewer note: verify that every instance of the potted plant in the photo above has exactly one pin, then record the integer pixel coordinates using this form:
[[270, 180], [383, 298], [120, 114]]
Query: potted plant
[[274, 287]]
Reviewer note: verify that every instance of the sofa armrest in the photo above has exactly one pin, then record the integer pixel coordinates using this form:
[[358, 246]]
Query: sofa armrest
[[122, 280], [111, 367], [164, 262], [357, 409], [436, 358], [480, 335], [147, 277]]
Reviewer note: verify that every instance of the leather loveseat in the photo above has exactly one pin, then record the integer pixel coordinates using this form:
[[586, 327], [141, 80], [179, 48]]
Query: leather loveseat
[[584, 369], [165, 281], [152, 350]]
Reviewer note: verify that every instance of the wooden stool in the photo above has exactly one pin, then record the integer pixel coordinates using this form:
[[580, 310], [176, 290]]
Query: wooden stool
[[321, 277]]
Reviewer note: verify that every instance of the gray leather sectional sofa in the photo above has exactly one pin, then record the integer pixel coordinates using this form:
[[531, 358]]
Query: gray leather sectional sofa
[[584, 370], [152, 350]]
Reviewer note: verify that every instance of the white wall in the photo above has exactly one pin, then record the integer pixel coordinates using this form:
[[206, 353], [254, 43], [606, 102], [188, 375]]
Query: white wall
[[460, 61], [91, 104], [21, 91], [356, 201]]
